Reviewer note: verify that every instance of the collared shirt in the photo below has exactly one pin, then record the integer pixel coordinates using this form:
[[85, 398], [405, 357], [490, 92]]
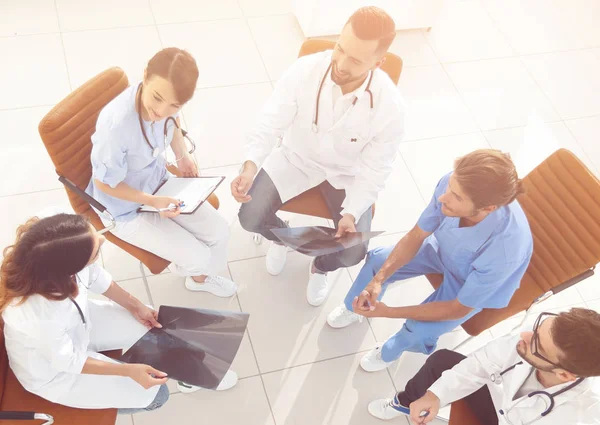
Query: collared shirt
[[343, 102], [354, 148], [579, 405], [121, 154], [488, 259]]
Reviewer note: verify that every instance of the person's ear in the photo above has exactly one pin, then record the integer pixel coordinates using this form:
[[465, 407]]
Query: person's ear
[[564, 375], [379, 63], [490, 209]]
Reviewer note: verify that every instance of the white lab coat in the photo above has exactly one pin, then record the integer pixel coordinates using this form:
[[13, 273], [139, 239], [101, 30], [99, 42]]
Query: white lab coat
[[579, 405], [355, 146], [48, 344]]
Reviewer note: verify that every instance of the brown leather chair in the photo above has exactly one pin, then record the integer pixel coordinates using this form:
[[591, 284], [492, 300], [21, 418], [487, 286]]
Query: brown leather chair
[[66, 132], [562, 205], [17, 404], [311, 202]]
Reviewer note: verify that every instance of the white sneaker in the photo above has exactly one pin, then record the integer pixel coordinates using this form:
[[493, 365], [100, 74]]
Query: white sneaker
[[341, 317], [216, 285], [228, 381], [372, 361], [276, 257], [318, 288], [387, 408]]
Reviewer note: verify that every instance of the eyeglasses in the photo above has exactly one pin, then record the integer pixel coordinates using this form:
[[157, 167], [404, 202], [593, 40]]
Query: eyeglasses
[[535, 340]]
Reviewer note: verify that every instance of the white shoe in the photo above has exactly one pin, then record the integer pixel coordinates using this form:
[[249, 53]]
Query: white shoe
[[276, 256], [341, 317], [387, 408], [318, 288], [228, 381], [372, 361], [216, 285]]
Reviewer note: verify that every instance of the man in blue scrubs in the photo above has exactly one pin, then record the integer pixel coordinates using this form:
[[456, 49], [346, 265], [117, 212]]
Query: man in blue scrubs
[[474, 232]]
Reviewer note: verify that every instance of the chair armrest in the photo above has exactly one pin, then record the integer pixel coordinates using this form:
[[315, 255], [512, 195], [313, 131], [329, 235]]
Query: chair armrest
[[26, 416], [81, 193], [174, 170], [574, 280]]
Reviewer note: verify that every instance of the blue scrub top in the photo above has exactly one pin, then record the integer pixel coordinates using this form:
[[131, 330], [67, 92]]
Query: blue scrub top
[[120, 153], [487, 260]]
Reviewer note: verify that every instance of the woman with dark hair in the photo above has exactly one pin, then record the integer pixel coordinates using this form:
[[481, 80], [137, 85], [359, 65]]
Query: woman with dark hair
[[54, 334], [128, 166]]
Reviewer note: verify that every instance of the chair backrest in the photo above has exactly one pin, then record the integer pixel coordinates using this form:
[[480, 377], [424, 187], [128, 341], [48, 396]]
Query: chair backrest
[[67, 130], [392, 65], [562, 204]]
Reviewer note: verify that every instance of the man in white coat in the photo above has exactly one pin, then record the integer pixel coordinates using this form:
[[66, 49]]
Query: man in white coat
[[542, 377], [340, 119]]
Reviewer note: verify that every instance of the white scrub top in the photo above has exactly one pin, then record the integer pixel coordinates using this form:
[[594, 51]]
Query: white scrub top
[[120, 153], [354, 148], [577, 406], [48, 344]]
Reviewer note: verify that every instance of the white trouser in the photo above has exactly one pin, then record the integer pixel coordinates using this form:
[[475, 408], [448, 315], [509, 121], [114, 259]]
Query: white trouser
[[195, 244], [112, 327]]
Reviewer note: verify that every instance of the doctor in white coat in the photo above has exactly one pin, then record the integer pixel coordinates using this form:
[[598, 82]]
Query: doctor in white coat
[[544, 377], [53, 333], [340, 119]]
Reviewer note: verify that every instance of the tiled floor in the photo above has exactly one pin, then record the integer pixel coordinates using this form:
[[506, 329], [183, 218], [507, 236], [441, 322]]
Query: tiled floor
[[517, 75]]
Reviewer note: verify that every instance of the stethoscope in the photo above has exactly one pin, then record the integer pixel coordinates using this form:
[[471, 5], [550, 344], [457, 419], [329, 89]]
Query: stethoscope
[[76, 304], [497, 379], [155, 150], [79, 310], [315, 124]]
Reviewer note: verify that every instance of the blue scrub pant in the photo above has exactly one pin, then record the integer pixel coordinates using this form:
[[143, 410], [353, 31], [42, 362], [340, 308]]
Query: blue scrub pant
[[415, 336]]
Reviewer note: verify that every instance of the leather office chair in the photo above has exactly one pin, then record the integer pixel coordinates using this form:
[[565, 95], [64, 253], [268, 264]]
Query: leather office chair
[[562, 204], [66, 132], [311, 202]]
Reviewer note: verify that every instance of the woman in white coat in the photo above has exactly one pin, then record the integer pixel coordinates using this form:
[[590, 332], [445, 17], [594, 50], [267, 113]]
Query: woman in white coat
[[54, 334], [543, 377]]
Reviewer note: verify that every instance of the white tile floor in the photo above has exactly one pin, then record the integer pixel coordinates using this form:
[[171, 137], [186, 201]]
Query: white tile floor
[[518, 75]]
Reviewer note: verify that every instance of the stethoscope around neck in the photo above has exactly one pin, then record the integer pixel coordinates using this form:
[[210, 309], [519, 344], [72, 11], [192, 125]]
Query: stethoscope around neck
[[315, 123], [497, 378], [155, 150]]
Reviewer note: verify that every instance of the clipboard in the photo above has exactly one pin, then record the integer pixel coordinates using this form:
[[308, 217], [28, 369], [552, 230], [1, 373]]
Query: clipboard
[[186, 183]]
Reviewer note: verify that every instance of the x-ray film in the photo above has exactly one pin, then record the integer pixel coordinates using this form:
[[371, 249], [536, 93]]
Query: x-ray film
[[319, 240], [194, 346]]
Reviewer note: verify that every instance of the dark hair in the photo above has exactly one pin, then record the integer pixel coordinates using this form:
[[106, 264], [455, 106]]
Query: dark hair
[[373, 23], [179, 68], [45, 257], [488, 177], [576, 334]]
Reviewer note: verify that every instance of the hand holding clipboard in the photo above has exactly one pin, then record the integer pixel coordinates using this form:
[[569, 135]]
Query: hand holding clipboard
[[182, 195]]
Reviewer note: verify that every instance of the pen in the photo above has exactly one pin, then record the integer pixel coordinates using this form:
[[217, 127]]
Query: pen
[[171, 207]]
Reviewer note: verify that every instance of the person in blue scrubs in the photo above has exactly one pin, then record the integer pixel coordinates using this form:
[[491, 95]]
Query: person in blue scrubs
[[474, 232]]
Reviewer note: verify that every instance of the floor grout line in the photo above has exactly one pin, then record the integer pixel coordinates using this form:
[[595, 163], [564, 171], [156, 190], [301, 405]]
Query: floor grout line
[[31, 193], [262, 60]]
